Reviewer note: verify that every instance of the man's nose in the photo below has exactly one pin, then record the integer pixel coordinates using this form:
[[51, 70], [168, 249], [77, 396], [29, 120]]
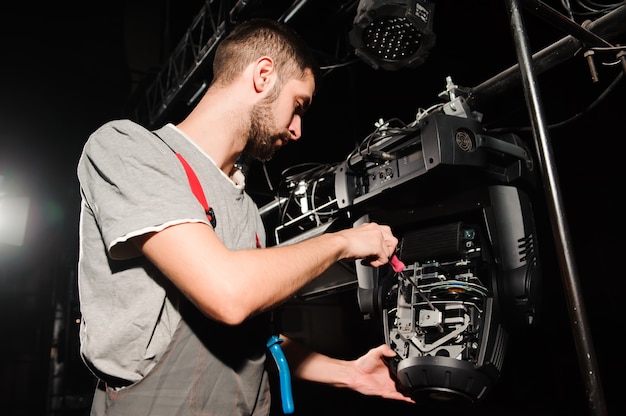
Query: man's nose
[[295, 128]]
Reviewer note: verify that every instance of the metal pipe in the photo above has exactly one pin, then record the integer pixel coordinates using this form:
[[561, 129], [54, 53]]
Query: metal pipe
[[576, 307], [608, 26], [550, 15], [293, 10]]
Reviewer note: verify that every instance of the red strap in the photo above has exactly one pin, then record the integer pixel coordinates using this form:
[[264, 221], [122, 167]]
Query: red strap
[[196, 188]]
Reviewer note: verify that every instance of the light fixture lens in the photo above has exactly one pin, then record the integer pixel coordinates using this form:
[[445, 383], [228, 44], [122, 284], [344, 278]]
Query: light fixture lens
[[392, 38], [393, 34]]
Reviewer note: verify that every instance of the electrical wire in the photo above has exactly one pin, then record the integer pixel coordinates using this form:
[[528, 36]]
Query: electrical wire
[[588, 8], [573, 118], [304, 178], [383, 130], [591, 106]]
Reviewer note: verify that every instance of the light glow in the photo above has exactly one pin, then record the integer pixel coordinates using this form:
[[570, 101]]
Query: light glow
[[13, 217]]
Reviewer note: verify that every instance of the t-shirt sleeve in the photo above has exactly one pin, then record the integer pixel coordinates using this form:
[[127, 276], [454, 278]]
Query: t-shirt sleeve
[[132, 183]]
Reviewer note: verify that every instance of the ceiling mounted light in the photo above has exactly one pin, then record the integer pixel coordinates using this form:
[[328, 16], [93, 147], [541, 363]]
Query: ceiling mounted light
[[393, 34]]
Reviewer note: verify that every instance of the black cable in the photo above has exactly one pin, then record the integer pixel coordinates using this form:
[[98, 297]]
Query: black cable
[[591, 106], [575, 117]]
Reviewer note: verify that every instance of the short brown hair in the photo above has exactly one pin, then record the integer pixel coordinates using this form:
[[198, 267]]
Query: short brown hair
[[259, 37]]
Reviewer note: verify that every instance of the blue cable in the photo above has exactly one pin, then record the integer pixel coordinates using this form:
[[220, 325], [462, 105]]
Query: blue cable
[[283, 373]]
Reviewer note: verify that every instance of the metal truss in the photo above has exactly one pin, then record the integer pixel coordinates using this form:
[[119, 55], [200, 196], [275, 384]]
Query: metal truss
[[189, 58], [183, 77]]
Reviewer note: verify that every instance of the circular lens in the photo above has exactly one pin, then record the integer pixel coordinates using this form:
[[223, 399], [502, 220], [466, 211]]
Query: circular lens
[[392, 38]]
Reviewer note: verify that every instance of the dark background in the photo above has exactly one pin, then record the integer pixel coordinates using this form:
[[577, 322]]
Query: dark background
[[67, 68]]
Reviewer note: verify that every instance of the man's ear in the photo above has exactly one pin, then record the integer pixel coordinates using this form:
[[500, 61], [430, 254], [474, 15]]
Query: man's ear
[[264, 73]]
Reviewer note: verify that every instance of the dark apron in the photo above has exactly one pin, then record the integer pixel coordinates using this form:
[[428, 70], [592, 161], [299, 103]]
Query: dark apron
[[201, 373]]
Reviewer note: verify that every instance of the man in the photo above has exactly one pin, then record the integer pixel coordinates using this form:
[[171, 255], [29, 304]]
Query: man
[[175, 297]]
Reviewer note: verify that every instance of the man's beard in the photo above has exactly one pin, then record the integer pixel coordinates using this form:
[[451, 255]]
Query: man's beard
[[261, 141]]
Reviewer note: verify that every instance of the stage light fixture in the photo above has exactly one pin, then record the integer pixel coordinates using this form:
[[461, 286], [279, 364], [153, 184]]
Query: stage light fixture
[[391, 35]]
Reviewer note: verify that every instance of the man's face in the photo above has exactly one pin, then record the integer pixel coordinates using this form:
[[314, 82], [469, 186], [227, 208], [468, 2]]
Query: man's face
[[262, 134], [277, 119]]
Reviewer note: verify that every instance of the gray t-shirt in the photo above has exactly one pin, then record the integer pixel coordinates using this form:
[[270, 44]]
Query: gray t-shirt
[[132, 183]]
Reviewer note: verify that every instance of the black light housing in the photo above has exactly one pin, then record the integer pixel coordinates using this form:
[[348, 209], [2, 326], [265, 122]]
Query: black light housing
[[393, 34]]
